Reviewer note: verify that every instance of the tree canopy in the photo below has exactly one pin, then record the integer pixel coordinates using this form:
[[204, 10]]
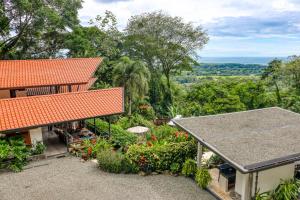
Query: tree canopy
[[167, 44], [35, 28]]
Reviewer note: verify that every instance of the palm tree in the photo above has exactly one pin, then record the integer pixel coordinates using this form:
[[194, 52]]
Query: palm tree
[[133, 76]]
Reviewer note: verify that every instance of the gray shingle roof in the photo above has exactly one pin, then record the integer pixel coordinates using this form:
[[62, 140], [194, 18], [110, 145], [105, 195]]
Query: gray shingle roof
[[249, 140]]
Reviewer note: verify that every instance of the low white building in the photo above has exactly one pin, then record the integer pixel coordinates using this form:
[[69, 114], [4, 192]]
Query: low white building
[[261, 145]]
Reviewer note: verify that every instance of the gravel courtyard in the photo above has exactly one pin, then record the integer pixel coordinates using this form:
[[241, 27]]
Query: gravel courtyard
[[70, 179]]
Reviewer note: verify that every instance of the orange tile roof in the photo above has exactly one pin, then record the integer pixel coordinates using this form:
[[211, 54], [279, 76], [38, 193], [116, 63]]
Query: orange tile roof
[[35, 111], [62, 89], [33, 73]]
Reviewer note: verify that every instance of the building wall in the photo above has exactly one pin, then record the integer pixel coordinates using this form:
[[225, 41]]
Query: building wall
[[21, 93], [4, 94], [36, 135], [267, 179], [240, 182]]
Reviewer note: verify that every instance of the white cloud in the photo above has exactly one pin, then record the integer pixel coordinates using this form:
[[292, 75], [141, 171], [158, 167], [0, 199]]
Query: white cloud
[[260, 19], [198, 11]]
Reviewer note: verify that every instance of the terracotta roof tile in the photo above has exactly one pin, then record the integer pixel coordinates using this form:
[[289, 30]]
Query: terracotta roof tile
[[33, 73], [36, 111]]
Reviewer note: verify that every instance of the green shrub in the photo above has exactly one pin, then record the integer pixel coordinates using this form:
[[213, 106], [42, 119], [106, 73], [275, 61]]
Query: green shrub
[[175, 168], [38, 148], [13, 153], [134, 120], [214, 160], [119, 137], [203, 177], [115, 162], [129, 166], [189, 168], [161, 157], [164, 132], [110, 161], [262, 196], [101, 145], [286, 190], [4, 150], [147, 112]]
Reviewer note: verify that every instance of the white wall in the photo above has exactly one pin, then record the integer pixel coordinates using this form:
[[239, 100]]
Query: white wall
[[267, 179], [240, 181], [36, 135]]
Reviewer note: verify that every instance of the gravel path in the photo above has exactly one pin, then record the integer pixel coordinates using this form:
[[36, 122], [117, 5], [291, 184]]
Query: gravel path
[[70, 179]]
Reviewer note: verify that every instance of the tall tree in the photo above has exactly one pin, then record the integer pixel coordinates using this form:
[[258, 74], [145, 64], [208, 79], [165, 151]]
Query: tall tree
[[292, 70], [101, 38], [167, 44], [133, 76], [35, 28], [272, 74]]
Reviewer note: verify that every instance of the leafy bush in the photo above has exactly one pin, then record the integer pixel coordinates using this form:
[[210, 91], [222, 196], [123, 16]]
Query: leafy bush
[[119, 137], [101, 145], [38, 148], [286, 190], [115, 162], [147, 111], [129, 166], [13, 153], [160, 157], [164, 132], [110, 161], [134, 120], [203, 177], [175, 168], [189, 168], [213, 161], [262, 196]]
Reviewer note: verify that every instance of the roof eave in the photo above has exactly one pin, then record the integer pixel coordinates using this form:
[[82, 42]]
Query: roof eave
[[57, 122], [213, 149], [248, 168], [37, 86]]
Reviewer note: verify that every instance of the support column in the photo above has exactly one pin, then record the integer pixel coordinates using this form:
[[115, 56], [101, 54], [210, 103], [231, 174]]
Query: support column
[[199, 154], [247, 187], [94, 125], [109, 126]]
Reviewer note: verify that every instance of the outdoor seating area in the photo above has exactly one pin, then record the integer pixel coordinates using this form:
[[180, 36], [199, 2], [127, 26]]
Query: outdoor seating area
[[69, 136]]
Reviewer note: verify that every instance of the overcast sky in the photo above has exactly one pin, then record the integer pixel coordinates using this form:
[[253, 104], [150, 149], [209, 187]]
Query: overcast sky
[[235, 27]]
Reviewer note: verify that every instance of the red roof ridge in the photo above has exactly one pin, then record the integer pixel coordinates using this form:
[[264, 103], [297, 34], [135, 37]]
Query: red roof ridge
[[16, 74], [51, 59], [61, 94]]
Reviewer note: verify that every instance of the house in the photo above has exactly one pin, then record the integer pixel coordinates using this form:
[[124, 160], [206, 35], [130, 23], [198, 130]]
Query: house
[[20, 78], [261, 145], [40, 97]]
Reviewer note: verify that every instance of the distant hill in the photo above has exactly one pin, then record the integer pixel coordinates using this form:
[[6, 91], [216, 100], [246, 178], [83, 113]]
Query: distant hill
[[220, 70], [228, 69], [240, 60]]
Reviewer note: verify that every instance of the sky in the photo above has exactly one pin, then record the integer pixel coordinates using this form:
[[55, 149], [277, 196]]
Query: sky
[[236, 28]]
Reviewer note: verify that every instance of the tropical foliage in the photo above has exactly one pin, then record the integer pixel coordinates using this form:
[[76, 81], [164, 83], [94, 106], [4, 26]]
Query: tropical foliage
[[286, 190], [203, 177], [13, 153], [133, 76]]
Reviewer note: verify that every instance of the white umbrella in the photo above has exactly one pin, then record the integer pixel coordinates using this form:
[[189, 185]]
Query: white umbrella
[[138, 129]]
